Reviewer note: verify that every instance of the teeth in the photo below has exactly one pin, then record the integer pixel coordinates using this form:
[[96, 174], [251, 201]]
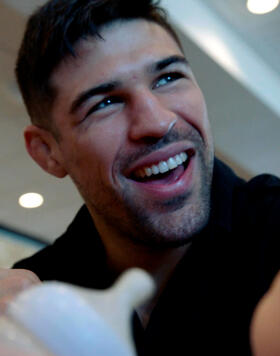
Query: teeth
[[178, 160], [148, 171], [155, 169], [163, 166], [142, 173], [183, 156], [172, 163]]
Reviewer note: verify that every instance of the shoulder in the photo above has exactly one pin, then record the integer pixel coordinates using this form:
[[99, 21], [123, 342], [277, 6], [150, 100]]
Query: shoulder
[[261, 195], [256, 219], [69, 251], [251, 205]]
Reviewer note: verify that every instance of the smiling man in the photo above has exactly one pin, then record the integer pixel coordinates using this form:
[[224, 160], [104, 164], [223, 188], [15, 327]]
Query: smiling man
[[114, 105], [133, 135]]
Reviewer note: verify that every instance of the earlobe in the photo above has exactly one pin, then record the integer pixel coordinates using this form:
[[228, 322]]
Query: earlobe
[[42, 147]]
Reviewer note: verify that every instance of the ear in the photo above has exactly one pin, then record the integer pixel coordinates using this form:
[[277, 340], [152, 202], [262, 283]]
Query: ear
[[43, 148]]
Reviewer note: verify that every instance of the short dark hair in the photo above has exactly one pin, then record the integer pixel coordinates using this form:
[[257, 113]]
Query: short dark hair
[[52, 33]]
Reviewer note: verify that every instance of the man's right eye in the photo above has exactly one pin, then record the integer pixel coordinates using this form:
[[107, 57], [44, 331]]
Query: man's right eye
[[168, 78], [103, 104]]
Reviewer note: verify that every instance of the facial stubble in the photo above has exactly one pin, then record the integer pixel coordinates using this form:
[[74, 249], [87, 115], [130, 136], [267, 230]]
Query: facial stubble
[[171, 223]]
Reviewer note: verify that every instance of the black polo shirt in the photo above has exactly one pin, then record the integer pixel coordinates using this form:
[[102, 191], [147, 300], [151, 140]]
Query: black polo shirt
[[208, 303]]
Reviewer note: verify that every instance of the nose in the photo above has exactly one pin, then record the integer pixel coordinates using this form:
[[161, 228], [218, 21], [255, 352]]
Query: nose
[[149, 116]]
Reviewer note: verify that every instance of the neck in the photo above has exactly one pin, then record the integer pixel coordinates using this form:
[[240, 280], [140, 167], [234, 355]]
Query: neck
[[122, 253], [160, 263]]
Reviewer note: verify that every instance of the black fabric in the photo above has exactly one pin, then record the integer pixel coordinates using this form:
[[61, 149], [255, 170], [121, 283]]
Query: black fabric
[[207, 305]]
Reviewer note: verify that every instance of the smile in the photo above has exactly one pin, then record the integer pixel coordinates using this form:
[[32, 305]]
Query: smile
[[164, 171], [167, 177]]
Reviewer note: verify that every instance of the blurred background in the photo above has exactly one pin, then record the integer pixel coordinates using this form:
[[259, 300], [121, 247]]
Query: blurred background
[[235, 56]]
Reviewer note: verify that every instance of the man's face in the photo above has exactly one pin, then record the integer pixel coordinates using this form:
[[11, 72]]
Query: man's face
[[129, 106]]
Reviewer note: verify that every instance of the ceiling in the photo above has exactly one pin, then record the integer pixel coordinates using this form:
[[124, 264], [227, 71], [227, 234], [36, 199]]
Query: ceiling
[[260, 32], [243, 105]]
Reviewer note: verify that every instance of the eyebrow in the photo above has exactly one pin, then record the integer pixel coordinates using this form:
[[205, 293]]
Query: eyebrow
[[87, 94], [160, 65], [110, 86]]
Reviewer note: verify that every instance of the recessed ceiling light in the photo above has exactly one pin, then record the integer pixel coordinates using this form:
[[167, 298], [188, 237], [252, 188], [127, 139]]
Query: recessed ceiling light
[[262, 6], [31, 200]]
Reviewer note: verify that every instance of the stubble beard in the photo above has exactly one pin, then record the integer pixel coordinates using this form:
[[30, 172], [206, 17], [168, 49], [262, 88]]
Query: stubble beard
[[174, 223], [156, 224]]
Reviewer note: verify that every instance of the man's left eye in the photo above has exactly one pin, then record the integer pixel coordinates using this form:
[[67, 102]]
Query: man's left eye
[[167, 78]]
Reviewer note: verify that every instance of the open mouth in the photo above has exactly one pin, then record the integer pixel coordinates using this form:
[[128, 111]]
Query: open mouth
[[164, 172]]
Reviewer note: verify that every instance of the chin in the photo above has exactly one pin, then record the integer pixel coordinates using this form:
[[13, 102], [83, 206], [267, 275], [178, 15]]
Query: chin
[[173, 229]]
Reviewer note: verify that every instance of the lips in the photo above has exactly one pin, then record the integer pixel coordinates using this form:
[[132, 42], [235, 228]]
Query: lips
[[174, 180], [154, 159], [160, 165]]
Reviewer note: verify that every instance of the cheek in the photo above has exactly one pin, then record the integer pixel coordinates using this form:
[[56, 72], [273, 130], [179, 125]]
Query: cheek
[[100, 147], [192, 109], [198, 107], [108, 139]]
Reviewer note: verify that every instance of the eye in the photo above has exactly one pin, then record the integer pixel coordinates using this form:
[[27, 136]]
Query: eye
[[104, 104], [167, 78]]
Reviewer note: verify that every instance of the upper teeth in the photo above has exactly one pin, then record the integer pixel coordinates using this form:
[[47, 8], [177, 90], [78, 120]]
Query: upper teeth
[[163, 166]]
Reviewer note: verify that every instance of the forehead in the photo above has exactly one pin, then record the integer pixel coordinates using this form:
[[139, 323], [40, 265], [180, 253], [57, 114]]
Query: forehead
[[124, 46]]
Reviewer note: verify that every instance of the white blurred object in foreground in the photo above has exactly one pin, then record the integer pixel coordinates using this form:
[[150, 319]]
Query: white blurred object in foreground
[[58, 319]]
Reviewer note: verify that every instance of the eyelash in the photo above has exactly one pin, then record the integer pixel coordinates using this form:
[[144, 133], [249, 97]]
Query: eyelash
[[106, 101], [171, 77]]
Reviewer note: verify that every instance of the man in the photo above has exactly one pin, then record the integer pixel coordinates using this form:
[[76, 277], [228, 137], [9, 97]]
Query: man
[[115, 105]]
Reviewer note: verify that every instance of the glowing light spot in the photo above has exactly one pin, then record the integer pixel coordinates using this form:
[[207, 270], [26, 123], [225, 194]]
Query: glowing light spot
[[262, 6], [31, 200]]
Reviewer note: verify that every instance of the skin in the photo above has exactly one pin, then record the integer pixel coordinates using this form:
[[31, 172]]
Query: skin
[[265, 327], [13, 282], [150, 113]]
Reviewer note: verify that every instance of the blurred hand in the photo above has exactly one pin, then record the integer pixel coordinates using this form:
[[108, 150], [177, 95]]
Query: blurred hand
[[265, 327], [13, 281], [14, 351], [70, 320], [16, 341]]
